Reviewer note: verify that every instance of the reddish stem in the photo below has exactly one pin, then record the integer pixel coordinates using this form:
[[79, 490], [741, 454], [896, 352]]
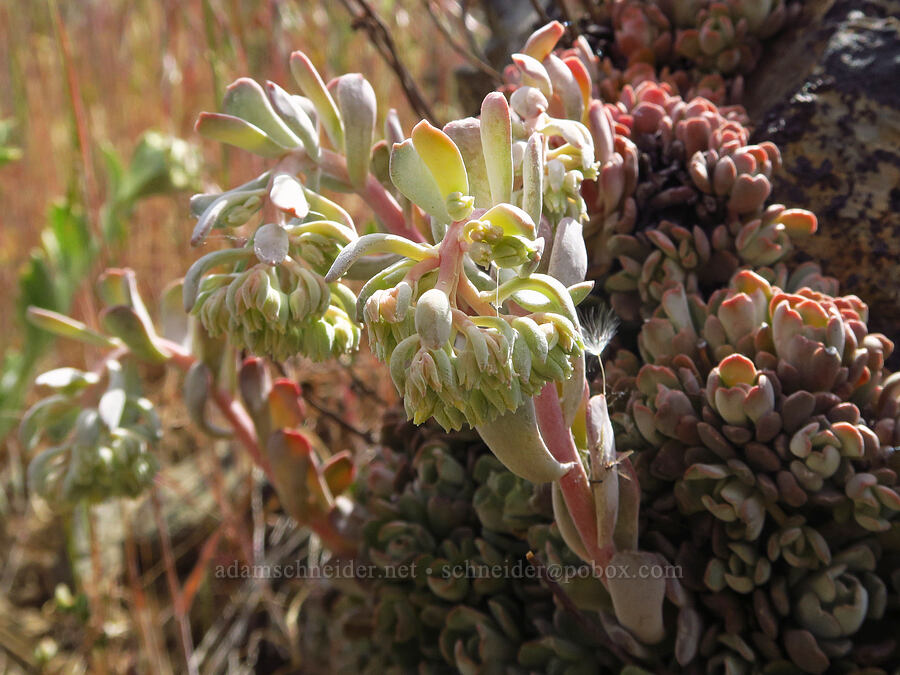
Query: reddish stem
[[245, 432], [377, 197], [574, 485]]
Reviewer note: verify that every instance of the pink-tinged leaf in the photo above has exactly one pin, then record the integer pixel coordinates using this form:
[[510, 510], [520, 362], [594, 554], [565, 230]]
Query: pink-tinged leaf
[[543, 41], [565, 86], [357, 103], [737, 369], [235, 131], [496, 143], [533, 73], [286, 408], [296, 477], [310, 82]]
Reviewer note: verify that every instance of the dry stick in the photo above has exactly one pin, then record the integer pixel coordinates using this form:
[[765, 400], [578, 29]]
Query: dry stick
[[470, 37], [346, 426], [384, 42], [595, 631], [187, 643], [539, 8], [468, 54]]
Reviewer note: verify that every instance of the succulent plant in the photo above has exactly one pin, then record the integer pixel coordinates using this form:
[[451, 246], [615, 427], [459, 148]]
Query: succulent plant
[[755, 416]]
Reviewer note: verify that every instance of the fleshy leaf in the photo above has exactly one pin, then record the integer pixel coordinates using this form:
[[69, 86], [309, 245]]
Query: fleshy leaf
[[411, 176], [358, 105], [235, 131], [244, 98], [313, 87], [496, 143]]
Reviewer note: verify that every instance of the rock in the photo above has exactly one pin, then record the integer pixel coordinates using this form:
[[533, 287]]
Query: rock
[[828, 94]]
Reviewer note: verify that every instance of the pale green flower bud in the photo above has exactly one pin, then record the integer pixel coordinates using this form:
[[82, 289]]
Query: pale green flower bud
[[434, 320]]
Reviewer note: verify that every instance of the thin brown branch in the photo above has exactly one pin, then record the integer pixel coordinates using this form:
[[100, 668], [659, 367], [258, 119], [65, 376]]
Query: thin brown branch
[[539, 8], [466, 52], [381, 38], [333, 416]]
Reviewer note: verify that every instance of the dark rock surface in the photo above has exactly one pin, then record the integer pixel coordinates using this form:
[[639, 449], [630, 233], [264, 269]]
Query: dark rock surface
[[828, 94]]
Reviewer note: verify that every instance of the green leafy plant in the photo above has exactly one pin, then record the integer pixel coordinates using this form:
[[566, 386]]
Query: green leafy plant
[[758, 407]]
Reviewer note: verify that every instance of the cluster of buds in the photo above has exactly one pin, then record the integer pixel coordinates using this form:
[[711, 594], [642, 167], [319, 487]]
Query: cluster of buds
[[98, 452], [101, 427]]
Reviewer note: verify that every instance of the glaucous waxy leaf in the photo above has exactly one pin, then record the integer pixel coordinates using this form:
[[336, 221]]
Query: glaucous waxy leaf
[[604, 471], [565, 86], [516, 441], [496, 143], [377, 242], [244, 98], [434, 319], [112, 403], [446, 165], [638, 602], [291, 110], [566, 524], [287, 194], [533, 73], [125, 324], [466, 135], [67, 380], [414, 180], [511, 220], [568, 259], [201, 202], [310, 82], [237, 132], [63, 326], [202, 265], [197, 389], [533, 178], [357, 103], [270, 244]]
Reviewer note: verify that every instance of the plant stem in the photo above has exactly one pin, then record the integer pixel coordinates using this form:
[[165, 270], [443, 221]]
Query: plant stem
[[245, 432], [575, 486]]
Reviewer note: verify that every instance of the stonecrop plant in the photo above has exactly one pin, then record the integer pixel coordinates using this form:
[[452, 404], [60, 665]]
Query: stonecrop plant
[[758, 406]]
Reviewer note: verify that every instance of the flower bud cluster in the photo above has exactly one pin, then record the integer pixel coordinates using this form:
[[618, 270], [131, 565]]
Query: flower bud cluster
[[97, 453], [486, 366], [280, 312]]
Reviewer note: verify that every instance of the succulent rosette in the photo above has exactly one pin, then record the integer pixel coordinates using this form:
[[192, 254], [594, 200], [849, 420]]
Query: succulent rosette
[[755, 419]]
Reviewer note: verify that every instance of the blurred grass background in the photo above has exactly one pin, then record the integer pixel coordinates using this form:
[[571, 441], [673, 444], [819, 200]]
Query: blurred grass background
[[141, 64], [83, 79]]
